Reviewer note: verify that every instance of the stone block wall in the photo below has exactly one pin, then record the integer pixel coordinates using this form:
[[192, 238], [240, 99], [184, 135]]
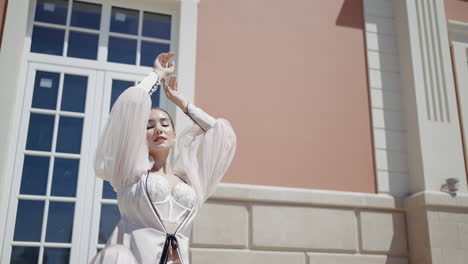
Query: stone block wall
[[258, 224]]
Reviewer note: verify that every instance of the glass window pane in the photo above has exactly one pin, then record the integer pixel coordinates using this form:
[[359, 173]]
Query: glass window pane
[[122, 50], [23, 255], [29, 220], [150, 51], [124, 21], [74, 93], [86, 15], [110, 216], [108, 191], [52, 11], [155, 98], [83, 45], [40, 132], [65, 177], [45, 90], [56, 256], [34, 177], [69, 135], [60, 222], [47, 40], [156, 25], [118, 87]]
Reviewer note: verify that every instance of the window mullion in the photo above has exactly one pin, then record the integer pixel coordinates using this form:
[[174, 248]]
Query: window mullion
[[104, 32], [140, 29], [67, 30]]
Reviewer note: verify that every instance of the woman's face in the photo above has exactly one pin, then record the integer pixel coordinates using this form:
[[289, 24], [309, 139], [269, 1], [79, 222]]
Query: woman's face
[[159, 132]]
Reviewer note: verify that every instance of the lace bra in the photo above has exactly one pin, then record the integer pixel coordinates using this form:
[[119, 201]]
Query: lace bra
[[172, 208]]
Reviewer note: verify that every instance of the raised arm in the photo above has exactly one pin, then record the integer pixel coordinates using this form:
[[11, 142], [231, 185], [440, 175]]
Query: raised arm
[[121, 156], [205, 149]]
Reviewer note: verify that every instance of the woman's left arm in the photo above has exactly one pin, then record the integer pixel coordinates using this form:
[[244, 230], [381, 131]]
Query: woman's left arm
[[205, 150]]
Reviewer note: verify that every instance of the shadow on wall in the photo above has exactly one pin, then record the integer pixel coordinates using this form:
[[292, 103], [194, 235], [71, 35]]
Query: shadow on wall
[[351, 14]]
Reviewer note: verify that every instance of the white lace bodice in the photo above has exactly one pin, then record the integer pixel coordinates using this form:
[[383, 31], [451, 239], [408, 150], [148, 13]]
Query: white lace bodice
[[174, 206]]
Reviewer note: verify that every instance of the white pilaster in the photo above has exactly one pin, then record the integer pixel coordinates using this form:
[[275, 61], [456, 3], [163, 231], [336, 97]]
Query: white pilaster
[[433, 129], [12, 66], [186, 57]]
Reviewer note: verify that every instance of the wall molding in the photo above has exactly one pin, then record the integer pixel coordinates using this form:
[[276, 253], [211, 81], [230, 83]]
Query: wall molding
[[307, 197]]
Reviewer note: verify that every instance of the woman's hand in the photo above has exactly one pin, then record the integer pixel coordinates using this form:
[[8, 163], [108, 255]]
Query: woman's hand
[[173, 93], [161, 65]]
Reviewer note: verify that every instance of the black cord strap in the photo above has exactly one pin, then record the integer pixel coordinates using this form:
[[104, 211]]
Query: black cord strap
[[171, 239]]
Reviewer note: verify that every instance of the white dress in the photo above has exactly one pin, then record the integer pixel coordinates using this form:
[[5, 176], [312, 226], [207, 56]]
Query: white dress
[[156, 221]]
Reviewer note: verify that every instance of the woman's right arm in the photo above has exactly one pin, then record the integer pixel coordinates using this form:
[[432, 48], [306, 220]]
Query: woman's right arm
[[121, 155]]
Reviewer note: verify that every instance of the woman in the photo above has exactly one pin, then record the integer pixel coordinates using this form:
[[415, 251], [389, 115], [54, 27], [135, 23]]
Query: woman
[[158, 203]]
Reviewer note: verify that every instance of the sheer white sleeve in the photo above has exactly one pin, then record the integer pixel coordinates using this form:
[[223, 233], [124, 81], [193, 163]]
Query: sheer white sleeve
[[205, 151], [121, 155]]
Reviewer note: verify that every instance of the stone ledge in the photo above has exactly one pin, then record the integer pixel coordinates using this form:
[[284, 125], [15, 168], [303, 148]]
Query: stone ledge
[[287, 195], [236, 256], [328, 258], [436, 199]]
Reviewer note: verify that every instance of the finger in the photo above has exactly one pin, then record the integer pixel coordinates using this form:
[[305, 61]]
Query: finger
[[165, 89], [171, 83]]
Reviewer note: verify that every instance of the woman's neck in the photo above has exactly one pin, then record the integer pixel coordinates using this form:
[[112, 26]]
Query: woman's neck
[[161, 164]]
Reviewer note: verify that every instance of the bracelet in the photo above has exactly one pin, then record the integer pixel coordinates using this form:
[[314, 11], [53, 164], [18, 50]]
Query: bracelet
[[155, 86]]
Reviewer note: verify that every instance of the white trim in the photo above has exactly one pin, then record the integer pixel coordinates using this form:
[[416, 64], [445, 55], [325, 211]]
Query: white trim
[[13, 70], [304, 197], [431, 117], [186, 60], [388, 132], [436, 199], [458, 32], [457, 27]]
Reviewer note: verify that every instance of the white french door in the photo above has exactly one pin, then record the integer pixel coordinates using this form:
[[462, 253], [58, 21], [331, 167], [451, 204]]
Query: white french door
[[105, 210], [60, 212], [50, 182], [79, 56]]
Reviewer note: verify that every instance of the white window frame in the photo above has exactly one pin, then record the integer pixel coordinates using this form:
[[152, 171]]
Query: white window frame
[[458, 33], [83, 157], [184, 16]]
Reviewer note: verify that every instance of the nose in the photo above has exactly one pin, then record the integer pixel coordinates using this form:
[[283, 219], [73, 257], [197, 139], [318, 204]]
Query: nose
[[158, 129]]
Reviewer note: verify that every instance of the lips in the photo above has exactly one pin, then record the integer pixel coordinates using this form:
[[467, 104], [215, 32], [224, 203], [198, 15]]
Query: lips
[[160, 138]]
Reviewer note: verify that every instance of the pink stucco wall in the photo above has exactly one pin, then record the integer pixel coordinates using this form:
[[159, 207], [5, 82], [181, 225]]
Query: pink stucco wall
[[457, 10], [290, 76]]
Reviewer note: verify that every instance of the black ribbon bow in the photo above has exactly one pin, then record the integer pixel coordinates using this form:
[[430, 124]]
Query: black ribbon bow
[[171, 239]]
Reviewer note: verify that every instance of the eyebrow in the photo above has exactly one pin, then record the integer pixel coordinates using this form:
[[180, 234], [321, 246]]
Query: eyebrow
[[161, 119]]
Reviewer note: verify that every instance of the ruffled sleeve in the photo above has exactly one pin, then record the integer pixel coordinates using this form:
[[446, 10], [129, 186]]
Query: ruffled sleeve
[[121, 156], [205, 151]]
